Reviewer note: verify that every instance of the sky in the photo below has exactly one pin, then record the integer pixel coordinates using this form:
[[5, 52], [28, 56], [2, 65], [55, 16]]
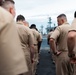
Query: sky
[[38, 11]]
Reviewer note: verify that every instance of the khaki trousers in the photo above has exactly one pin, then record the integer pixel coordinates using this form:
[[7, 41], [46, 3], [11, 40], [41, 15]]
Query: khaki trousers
[[35, 60], [63, 65], [29, 64], [74, 69]]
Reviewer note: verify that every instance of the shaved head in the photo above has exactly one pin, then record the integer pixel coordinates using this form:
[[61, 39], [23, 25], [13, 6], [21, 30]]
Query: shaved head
[[8, 5]]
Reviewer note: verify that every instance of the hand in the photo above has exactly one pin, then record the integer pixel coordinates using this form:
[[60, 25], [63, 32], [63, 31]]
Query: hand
[[58, 53], [71, 55], [73, 60]]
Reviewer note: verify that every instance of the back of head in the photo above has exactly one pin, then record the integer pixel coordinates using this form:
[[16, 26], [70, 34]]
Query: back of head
[[26, 23], [33, 26], [8, 5], [74, 21], [20, 18], [75, 14], [62, 16], [61, 19]]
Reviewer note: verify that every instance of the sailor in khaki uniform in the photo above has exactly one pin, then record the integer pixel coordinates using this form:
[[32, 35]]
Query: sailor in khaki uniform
[[72, 43], [37, 39], [12, 61], [48, 40], [58, 42], [27, 40], [48, 36], [39, 43]]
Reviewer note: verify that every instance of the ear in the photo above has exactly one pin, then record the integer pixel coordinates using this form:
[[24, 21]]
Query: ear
[[62, 21], [11, 10]]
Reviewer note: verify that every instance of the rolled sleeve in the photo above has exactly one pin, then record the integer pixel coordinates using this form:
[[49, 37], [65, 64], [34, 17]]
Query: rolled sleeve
[[72, 29], [56, 33]]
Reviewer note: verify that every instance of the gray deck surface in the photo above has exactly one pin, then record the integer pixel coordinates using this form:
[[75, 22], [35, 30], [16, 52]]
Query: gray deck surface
[[46, 65]]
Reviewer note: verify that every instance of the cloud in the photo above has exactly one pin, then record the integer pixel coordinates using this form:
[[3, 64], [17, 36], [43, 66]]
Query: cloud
[[38, 11]]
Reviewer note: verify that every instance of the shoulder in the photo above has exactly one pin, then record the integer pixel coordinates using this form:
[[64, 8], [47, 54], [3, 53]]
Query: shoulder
[[5, 15], [6, 19], [21, 26], [73, 25], [33, 30], [65, 26]]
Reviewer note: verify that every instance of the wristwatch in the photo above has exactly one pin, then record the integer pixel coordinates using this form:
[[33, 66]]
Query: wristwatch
[[71, 55], [55, 53]]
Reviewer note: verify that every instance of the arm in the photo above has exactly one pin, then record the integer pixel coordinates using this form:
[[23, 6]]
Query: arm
[[53, 46], [53, 41], [71, 42], [32, 52], [31, 44], [39, 41]]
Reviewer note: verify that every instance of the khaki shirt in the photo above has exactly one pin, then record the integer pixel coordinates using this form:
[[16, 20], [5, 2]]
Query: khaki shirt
[[12, 60], [49, 34], [26, 37], [37, 36], [60, 36], [73, 25]]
